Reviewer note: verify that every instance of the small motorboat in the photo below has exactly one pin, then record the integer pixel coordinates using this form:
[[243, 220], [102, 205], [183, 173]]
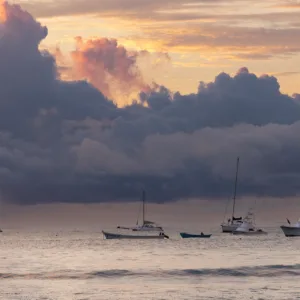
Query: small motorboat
[[185, 235]]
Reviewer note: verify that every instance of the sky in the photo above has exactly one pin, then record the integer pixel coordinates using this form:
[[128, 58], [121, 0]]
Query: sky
[[100, 99], [201, 37], [205, 215]]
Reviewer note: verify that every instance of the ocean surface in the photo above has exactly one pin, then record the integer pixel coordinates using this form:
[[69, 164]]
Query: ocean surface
[[77, 265]]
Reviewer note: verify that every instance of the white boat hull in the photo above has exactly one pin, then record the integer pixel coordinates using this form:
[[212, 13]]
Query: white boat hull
[[229, 227], [249, 233], [117, 236], [290, 231]]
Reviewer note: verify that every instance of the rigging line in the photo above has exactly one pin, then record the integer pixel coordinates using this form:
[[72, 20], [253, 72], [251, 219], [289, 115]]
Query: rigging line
[[137, 221], [254, 209], [226, 209], [235, 185]]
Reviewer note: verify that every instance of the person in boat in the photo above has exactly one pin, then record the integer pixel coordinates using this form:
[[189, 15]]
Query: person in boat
[[163, 234], [201, 233]]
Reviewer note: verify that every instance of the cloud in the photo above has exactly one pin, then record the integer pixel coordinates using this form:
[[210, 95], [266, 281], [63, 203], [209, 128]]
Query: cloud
[[291, 4], [291, 73], [66, 141], [231, 42], [169, 11], [110, 8], [109, 67], [120, 74], [237, 30]]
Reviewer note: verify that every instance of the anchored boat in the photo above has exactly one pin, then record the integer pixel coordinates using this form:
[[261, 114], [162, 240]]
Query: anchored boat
[[233, 223], [145, 225], [185, 235], [146, 231], [291, 230], [118, 236], [248, 226]]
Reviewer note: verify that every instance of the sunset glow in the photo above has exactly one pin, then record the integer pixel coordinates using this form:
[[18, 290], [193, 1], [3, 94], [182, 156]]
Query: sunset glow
[[202, 38]]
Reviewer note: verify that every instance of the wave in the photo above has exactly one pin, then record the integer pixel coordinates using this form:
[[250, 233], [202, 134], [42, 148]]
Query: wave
[[254, 271]]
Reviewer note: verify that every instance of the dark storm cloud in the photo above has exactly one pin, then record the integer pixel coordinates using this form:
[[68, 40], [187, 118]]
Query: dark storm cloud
[[64, 141]]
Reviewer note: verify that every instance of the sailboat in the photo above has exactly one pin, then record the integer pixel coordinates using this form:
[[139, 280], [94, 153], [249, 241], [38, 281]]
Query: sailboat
[[291, 230], [147, 230], [146, 225], [119, 236], [248, 226], [233, 223]]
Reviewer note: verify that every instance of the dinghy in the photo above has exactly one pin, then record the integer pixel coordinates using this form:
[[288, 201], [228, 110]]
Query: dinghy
[[185, 235]]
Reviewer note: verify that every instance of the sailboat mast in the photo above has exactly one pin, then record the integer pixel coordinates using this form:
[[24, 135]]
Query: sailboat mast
[[143, 199], [235, 185]]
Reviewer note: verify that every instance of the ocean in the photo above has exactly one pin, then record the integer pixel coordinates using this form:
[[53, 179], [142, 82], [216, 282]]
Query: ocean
[[81, 265]]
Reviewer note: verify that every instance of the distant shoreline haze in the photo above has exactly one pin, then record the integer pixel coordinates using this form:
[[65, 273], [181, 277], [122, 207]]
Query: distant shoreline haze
[[199, 213]]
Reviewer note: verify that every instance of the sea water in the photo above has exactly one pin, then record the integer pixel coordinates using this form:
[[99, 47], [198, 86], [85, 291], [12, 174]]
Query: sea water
[[77, 265]]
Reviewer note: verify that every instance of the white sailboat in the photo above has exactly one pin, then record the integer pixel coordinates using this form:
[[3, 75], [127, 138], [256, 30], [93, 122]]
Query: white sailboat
[[248, 226], [119, 236], [291, 230], [233, 223], [146, 225], [147, 230]]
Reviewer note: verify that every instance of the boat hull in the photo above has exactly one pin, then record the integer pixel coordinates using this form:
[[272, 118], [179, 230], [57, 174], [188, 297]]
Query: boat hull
[[249, 233], [290, 231], [185, 235], [116, 236], [228, 228]]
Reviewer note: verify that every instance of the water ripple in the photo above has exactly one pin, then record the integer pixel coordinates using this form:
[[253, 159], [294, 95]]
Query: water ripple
[[257, 271]]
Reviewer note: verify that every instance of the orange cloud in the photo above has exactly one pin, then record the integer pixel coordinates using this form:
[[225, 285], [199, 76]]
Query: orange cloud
[[113, 69], [225, 41], [288, 4], [114, 8], [232, 30], [3, 11]]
